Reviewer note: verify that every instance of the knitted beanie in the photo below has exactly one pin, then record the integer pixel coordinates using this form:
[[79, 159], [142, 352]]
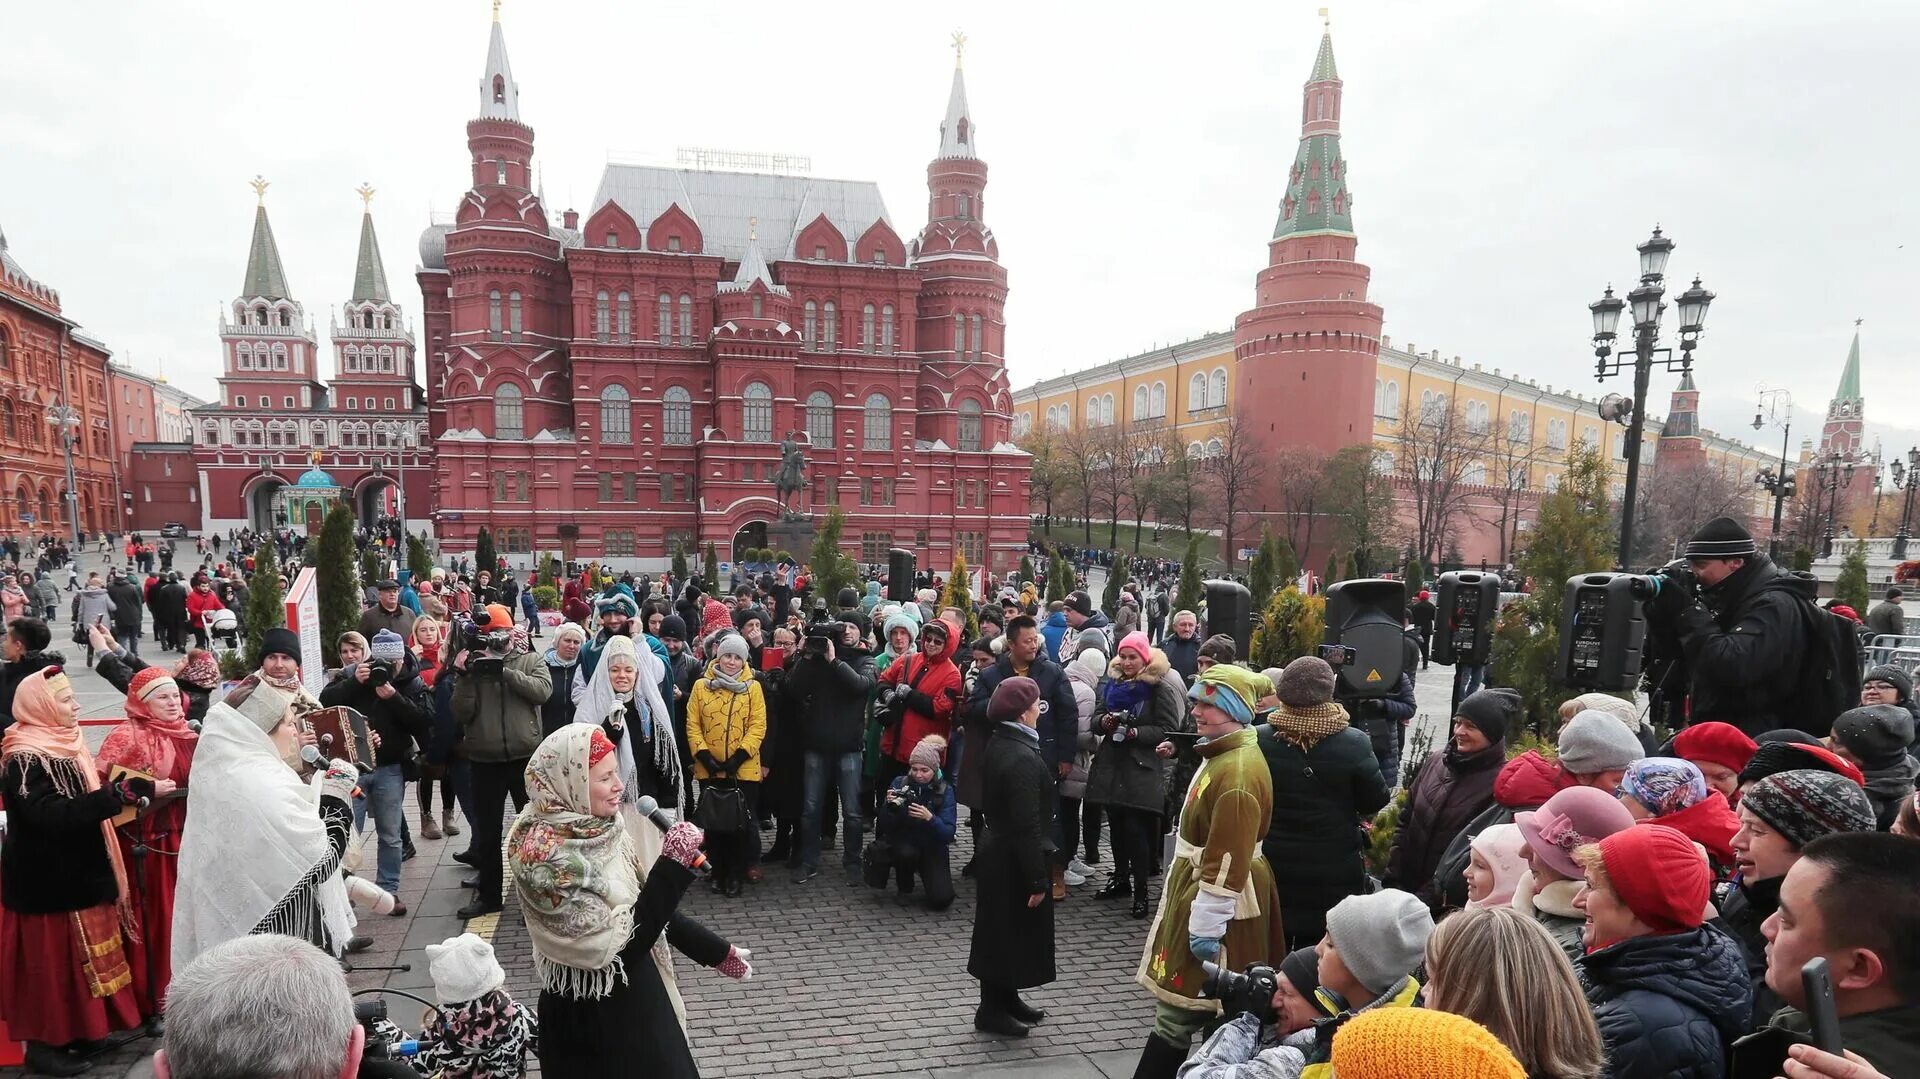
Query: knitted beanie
[[280, 641], [1420, 1043], [673, 628], [1772, 758], [1659, 874], [498, 617], [1095, 639], [1381, 937], [1135, 642], [147, 681], [1722, 537], [1901, 681], [1569, 820], [1491, 710], [464, 968], [1877, 734], [928, 752], [1302, 968], [571, 629], [1717, 743], [1619, 707], [387, 647], [731, 644], [1501, 847], [1805, 804], [1307, 681], [1080, 603], [1597, 742], [1011, 699], [1232, 689]]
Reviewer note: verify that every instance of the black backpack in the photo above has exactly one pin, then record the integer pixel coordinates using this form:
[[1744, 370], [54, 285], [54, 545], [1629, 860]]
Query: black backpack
[[1829, 681]]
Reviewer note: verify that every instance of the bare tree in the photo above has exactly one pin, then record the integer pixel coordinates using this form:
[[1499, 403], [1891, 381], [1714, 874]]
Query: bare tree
[[1109, 464], [1442, 451], [1675, 500], [1238, 474], [1179, 496], [1143, 460], [1303, 480], [1046, 476], [1511, 454], [1360, 500], [1080, 451]]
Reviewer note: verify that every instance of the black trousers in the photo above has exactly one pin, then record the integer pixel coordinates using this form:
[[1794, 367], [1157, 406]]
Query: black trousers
[[906, 860], [1135, 831], [493, 782]]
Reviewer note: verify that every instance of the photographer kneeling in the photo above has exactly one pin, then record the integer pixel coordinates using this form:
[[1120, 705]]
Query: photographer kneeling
[[383, 684], [914, 828]]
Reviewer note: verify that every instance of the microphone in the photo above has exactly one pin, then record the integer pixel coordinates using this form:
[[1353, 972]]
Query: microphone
[[312, 756], [650, 809]]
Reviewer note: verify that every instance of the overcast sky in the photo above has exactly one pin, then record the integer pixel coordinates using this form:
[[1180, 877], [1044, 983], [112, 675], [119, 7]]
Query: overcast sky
[[1505, 158]]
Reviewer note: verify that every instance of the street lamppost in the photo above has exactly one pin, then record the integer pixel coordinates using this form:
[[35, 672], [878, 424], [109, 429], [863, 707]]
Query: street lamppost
[[1776, 407], [1648, 305], [1827, 476], [64, 419], [1906, 477], [409, 440]]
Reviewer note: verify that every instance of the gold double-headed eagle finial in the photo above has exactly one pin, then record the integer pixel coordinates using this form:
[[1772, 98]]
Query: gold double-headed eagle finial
[[959, 48], [365, 191], [259, 185]]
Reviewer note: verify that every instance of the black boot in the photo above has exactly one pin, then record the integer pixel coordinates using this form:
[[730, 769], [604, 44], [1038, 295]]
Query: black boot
[[44, 1059], [1160, 1059], [1117, 887], [1023, 1011], [991, 1020], [1139, 908]]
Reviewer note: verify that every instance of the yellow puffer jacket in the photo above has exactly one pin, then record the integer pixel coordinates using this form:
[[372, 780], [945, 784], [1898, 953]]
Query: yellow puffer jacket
[[723, 723]]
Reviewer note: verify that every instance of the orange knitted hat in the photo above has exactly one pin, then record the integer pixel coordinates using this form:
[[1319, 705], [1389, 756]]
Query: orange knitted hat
[[1415, 1043]]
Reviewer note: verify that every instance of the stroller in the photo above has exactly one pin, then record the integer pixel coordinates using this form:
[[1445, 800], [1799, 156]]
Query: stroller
[[224, 626]]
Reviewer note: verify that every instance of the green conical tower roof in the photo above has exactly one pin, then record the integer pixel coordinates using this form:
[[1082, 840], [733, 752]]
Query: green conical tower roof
[[1323, 69], [1317, 199], [265, 278], [1850, 375], [369, 272]]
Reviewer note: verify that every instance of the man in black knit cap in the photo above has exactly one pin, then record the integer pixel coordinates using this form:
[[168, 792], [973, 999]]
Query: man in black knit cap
[[1742, 630]]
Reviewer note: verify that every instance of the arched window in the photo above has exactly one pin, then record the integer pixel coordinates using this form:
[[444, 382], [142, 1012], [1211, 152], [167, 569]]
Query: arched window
[[1140, 401], [756, 413], [1197, 392], [386, 360], [676, 419], [978, 340], [1217, 389], [493, 314], [507, 413], [1093, 412], [1195, 451], [513, 315], [1106, 410], [6, 349], [499, 89], [6, 420], [616, 416], [602, 316], [820, 420], [686, 319], [1157, 403], [1379, 396], [756, 305], [666, 319], [886, 329], [1393, 398], [1213, 447], [970, 425], [866, 328], [878, 423], [810, 326], [1519, 426], [829, 328], [959, 337], [623, 324]]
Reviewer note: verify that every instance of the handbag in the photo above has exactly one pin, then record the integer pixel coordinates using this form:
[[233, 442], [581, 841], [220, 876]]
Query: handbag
[[722, 810]]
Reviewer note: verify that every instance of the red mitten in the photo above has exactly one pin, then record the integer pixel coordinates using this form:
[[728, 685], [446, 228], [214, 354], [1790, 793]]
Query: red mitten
[[682, 843], [735, 965]]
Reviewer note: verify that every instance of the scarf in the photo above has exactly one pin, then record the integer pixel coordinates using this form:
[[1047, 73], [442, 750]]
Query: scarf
[[256, 839], [47, 732], [718, 680], [1126, 695], [598, 704], [156, 744], [1304, 728], [577, 874], [199, 669]]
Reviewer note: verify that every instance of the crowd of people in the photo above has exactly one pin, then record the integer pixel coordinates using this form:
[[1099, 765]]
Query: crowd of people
[[1627, 902]]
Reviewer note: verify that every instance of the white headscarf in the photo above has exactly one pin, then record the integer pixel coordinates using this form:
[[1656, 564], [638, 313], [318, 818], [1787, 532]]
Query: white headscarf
[[598, 702], [256, 834]]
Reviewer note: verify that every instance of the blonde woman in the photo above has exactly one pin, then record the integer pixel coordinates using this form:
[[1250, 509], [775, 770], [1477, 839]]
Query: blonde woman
[[1501, 969]]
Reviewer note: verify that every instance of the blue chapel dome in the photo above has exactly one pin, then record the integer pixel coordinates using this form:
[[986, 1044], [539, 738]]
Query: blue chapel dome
[[315, 477]]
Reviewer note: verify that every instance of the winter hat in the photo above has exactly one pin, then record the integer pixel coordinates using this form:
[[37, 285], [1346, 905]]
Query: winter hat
[[1900, 680], [147, 681], [355, 638], [944, 629], [1011, 699], [1619, 707], [1806, 803], [1219, 648], [1722, 537], [1491, 710], [1659, 874], [1307, 682], [280, 641], [262, 702], [1664, 785], [614, 602], [387, 647], [1571, 819], [1877, 734], [928, 752], [1234, 690], [463, 969], [1381, 937], [1092, 664], [714, 616], [1500, 846], [1302, 968], [1080, 603], [1772, 758], [568, 629], [673, 628], [731, 644], [1597, 742], [1717, 743], [846, 597], [1402, 1043], [1135, 642]]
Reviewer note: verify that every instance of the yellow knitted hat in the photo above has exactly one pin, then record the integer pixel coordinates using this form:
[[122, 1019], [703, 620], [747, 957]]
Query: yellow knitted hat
[[1415, 1043]]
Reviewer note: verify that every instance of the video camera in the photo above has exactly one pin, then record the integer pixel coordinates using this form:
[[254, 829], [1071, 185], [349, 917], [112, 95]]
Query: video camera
[[819, 635], [384, 1039], [1248, 992]]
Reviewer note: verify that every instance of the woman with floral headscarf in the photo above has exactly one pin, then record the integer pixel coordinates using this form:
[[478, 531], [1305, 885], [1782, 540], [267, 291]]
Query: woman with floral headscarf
[[1675, 793], [600, 902], [67, 910]]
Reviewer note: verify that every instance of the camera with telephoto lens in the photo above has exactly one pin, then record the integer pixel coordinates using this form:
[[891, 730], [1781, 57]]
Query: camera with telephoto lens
[[1675, 574], [378, 675], [1248, 992], [890, 703], [819, 635]]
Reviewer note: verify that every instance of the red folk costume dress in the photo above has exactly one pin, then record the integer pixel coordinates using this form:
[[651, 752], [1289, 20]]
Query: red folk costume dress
[[64, 975], [150, 844]]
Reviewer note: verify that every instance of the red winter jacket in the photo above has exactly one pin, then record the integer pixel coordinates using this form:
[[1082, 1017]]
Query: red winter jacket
[[940, 683], [199, 605]]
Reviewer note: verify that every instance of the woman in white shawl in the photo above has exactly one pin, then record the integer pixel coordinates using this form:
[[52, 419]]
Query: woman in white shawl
[[622, 698], [599, 899], [263, 855]]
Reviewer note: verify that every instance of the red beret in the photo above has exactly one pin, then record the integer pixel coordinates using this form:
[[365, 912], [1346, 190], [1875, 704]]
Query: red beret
[[1659, 874], [1721, 743]]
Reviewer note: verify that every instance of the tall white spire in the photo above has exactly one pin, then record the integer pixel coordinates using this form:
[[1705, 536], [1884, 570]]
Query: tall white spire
[[956, 131], [499, 94]]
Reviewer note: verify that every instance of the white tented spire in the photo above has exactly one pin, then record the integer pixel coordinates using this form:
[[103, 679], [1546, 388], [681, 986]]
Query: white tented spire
[[499, 94], [957, 131]]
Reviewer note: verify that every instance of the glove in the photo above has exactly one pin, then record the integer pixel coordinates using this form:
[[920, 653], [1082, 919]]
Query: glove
[[919, 702], [1207, 948], [1671, 598], [707, 761], [734, 762], [682, 843], [1105, 722], [339, 782], [735, 965]]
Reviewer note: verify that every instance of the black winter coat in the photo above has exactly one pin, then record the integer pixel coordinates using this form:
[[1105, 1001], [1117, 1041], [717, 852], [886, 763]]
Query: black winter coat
[[1012, 942], [55, 857], [557, 711], [1059, 719], [1668, 1006], [1742, 912], [128, 604], [1447, 795], [1182, 656], [401, 720], [1743, 657], [1129, 774], [828, 700], [1314, 844]]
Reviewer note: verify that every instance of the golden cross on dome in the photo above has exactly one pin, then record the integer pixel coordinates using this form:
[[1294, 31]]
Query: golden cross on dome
[[365, 191], [259, 186], [315, 455], [959, 48]]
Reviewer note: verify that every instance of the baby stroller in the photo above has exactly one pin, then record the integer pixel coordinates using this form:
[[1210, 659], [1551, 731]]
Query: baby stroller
[[224, 626]]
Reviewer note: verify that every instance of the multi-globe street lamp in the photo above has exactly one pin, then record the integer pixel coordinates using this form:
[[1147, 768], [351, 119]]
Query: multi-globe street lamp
[[1776, 407], [1906, 477], [1648, 303], [64, 419], [1830, 473]]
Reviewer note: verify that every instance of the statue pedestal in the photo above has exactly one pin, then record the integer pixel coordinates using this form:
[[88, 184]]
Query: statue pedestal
[[792, 536]]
